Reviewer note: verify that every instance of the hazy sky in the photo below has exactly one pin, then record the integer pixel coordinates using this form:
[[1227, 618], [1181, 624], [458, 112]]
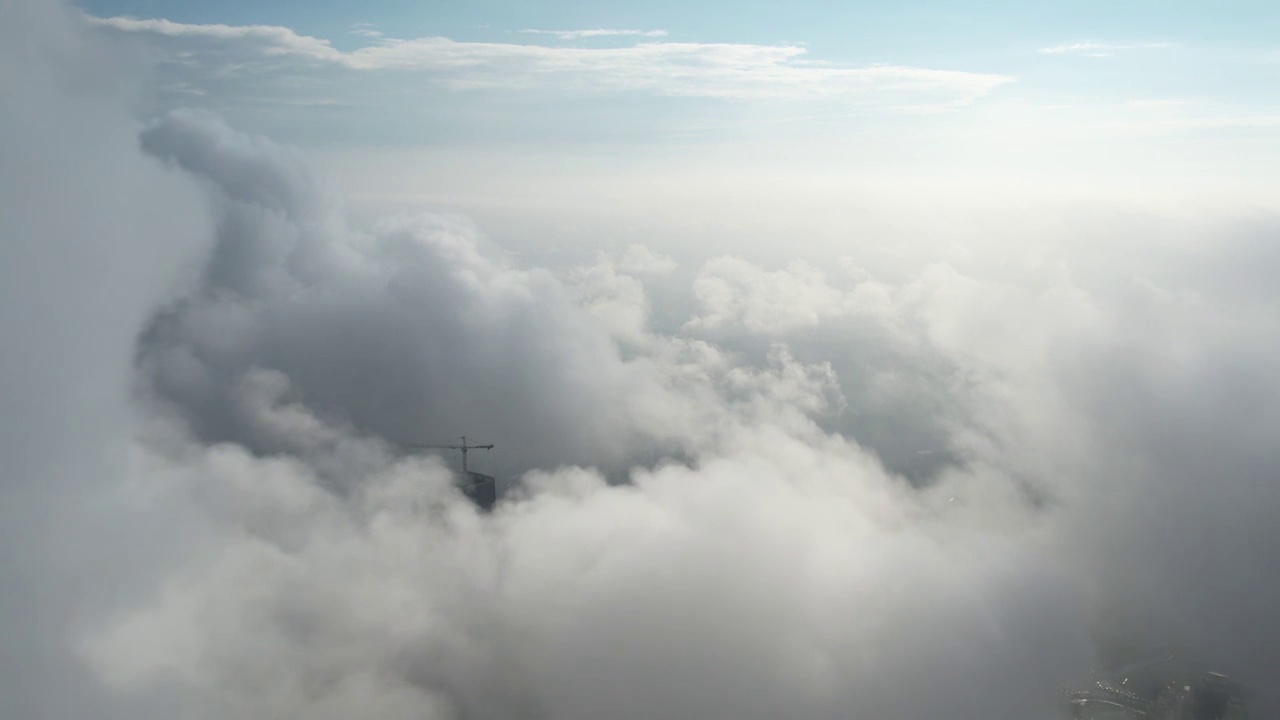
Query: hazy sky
[[1084, 92], [846, 361]]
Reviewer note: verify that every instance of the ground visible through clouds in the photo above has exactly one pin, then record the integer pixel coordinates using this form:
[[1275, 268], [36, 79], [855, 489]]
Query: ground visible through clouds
[[808, 488]]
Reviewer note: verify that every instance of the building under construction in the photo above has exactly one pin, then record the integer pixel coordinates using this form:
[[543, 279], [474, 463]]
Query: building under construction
[[481, 489]]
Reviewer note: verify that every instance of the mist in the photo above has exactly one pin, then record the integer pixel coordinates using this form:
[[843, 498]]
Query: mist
[[912, 475]]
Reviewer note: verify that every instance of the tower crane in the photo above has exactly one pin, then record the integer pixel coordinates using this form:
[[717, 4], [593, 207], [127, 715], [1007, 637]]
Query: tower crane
[[482, 489], [464, 447]]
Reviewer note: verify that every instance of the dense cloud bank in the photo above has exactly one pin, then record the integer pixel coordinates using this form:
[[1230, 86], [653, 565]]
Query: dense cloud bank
[[92, 234], [828, 495]]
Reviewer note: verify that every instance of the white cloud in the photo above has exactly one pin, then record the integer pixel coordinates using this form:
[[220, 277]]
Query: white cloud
[[640, 260], [1100, 50], [734, 293], [726, 70], [746, 529], [270, 40], [365, 30], [598, 32]]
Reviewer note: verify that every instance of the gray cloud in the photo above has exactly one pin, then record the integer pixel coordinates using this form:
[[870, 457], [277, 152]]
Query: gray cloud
[[476, 345], [92, 235]]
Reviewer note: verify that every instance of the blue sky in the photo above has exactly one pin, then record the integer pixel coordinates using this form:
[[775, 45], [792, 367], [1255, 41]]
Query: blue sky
[[842, 30], [1096, 89]]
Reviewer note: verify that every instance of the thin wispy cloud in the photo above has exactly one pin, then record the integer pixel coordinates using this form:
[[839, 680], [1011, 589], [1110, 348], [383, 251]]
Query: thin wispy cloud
[[365, 29], [267, 39], [1156, 103], [720, 70], [597, 32], [1100, 50]]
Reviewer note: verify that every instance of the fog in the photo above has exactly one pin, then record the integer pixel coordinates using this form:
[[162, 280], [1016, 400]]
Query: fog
[[922, 474]]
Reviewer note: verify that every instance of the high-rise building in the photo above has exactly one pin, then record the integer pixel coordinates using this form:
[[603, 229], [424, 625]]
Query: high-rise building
[[482, 489]]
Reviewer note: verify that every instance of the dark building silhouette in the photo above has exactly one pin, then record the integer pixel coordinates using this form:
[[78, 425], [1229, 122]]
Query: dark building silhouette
[[482, 489]]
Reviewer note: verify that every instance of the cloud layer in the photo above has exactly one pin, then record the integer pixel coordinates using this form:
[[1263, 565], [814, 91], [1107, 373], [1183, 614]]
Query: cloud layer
[[310, 354], [692, 590]]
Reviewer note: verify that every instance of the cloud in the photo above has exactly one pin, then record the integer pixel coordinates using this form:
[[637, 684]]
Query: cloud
[[598, 32], [269, 40], [732, 291], [640, 260], [478, 341], [307, 351], [365, 30], [1101, 50], [586, 600], [310, 352], [1094, 390], [95, 235], [719, 70]]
